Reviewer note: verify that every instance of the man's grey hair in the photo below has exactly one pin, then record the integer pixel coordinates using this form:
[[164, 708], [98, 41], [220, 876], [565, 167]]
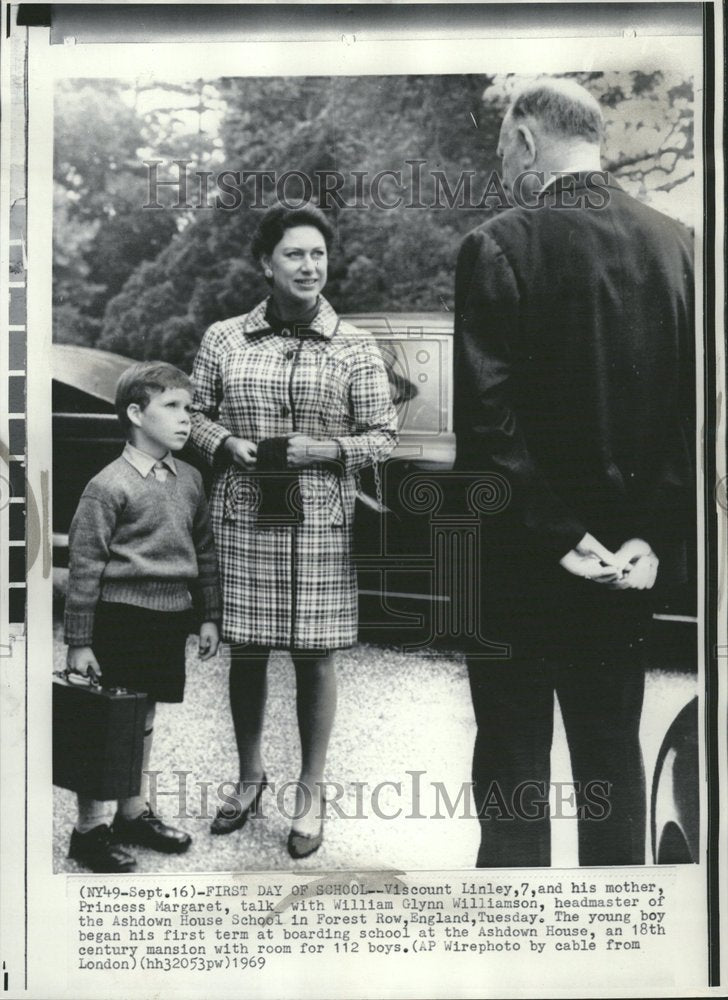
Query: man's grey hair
[[562, 107]]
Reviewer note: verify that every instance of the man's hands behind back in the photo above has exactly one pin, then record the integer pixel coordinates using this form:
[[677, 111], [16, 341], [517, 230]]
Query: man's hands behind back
[[633, 567]]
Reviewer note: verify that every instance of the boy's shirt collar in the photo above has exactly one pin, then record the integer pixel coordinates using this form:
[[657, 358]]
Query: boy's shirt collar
[[144, 463]]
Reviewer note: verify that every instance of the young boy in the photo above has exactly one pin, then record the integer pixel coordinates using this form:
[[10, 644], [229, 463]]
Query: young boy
[[140, 547]]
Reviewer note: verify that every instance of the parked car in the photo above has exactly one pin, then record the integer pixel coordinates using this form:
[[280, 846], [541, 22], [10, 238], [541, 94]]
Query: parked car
[[675, 799], [86, 434]]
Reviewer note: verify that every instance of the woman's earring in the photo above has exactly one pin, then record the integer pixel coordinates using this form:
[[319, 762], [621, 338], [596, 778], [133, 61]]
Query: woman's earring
[[268, 273]]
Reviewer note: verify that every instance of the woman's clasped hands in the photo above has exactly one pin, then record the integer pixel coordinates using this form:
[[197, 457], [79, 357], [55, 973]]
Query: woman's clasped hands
[[302, 451], [241, 451]]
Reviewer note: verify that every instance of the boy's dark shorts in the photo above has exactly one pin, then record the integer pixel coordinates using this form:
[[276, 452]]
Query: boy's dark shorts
[[142, 650]]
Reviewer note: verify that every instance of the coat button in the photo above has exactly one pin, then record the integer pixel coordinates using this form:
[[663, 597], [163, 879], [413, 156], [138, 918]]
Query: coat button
[[285, 412], [290, 355]]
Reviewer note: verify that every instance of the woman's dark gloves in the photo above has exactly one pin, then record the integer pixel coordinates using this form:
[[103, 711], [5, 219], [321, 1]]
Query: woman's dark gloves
[[280, 501], [272, 455]]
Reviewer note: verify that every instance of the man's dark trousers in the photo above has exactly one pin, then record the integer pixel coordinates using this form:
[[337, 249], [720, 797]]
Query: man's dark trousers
[[601, 702]]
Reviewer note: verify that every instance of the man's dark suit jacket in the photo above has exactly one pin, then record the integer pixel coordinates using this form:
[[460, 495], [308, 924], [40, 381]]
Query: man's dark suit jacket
[[574, 380]]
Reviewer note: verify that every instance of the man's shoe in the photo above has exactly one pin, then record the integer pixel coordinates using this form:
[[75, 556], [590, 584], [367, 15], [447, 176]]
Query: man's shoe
[[96, 850], [226, 822], [148, 830]]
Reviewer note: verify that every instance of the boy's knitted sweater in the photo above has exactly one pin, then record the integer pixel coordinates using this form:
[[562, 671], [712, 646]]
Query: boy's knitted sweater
[[138, 540]]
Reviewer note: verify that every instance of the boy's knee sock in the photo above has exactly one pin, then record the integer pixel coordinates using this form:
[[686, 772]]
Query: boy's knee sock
[[135, 805], [91, 813]]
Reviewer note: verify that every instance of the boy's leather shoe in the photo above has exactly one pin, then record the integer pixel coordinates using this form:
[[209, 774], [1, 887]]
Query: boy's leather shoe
[[148, 830], [96, 850]]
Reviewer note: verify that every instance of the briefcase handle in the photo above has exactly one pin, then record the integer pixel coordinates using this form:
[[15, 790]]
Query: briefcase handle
[[90, 679]]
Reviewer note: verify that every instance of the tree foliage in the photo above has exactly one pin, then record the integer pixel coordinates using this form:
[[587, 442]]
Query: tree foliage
[[385, 258], [101, 233], [149, 281]]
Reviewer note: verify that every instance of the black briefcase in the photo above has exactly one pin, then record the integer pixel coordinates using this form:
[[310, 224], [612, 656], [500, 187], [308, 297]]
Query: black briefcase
[[98, 737]]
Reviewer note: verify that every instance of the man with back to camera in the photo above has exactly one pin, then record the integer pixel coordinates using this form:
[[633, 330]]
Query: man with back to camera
[[575, 378]]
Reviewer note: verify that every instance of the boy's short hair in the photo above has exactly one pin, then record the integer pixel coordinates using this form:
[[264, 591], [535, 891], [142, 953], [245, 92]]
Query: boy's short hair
[[141, 381]]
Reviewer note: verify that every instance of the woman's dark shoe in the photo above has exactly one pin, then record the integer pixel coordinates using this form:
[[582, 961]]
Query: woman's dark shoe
[[228, 819], [301, 845], [148, 830], [96, 850]]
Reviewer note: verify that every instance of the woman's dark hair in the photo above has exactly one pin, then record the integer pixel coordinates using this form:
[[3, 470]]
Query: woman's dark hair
[[279, 218]]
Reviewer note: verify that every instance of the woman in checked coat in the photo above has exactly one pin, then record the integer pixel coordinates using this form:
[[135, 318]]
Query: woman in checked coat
[[290, 403]]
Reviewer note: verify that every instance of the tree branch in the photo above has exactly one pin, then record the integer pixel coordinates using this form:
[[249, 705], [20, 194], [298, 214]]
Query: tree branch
[[673, 184], [632, 161]]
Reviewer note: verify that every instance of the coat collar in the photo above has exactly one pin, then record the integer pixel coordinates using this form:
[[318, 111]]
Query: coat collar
[[325, 322], [576, 180]]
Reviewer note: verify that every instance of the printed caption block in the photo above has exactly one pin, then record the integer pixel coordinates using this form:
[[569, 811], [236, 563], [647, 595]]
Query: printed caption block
[[246, 925]]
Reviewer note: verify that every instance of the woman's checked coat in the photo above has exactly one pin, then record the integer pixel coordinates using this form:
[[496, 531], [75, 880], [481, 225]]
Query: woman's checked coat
[[290, 586]]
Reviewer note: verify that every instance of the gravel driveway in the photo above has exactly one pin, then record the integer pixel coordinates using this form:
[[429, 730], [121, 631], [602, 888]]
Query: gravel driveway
[[397, 713]]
